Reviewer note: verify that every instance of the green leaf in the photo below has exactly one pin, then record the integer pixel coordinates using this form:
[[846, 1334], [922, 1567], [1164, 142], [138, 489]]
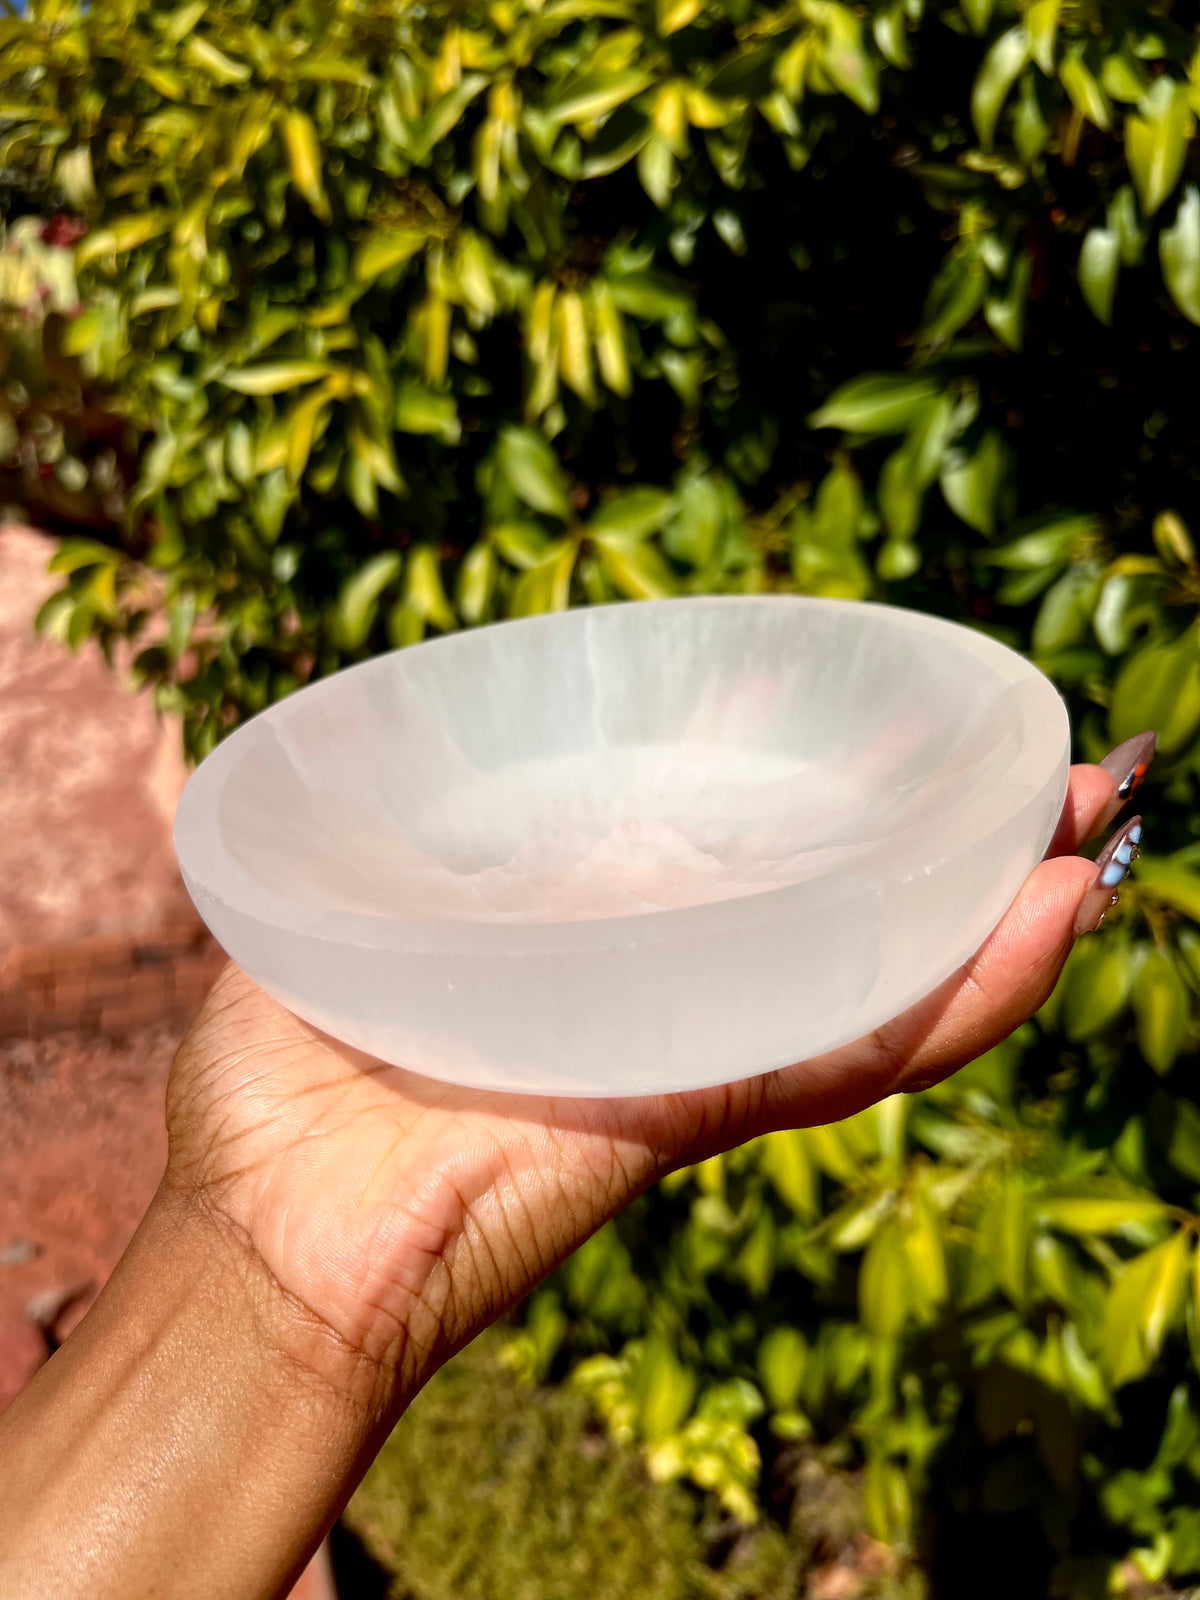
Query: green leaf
[[274, 377], [1156, 143], [856, 1223], [384, 249], [273, 494], [846, 63], [476, 582], [978, 14], [1171, 882], [635, 512], [1005, 312], [1172, 539], [635, 567], [1124, 221], [424, 591], [897, 559], [1141, 1306], [522, 544], [1122, 77], [1065, 613], [1088, 98], [1001, 67], [1098, 979], [692, 535], [884, 1285], [786, 1163], [595, 94], [303, 150], [955, 295], [745, 74], [1099, 264], [118, 238], [1041, 19], [1179, 251], [445, 114], [421, 410], [358, 599], [901, 493], [546, 586], [214, 63], [73, 555], [883, 402], [1163, 1008], [782, 1356], [532, 470], [1159, 688], [971, 485], [1004, 1238], [663, 1389], [1089, 1217], [657, 170]]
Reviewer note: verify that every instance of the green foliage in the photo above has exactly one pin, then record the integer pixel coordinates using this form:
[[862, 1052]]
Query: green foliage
[[416, 317], [487, 1490]]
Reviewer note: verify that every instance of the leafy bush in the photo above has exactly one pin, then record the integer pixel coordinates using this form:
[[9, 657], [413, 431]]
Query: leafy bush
[[419, 317]]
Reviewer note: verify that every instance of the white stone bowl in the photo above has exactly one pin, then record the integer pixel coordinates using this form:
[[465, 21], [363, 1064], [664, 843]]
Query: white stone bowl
[[632, 848]]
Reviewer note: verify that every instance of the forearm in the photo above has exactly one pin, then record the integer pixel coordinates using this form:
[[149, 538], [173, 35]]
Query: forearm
[[195, 1436]]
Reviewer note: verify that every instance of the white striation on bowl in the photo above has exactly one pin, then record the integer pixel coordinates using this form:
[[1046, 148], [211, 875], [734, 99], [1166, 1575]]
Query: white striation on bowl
[[630, 848]]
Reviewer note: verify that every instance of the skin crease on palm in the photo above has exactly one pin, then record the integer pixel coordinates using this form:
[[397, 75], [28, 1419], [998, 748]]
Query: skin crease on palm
[[399, 1216]]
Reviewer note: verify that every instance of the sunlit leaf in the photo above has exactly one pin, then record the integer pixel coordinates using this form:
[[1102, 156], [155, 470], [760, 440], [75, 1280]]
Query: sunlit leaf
[[1142, 1304], [876, 403], [1179, 250], [1156, 144], [635, 512], [1086, 94], [275, 377], [1088, 1216], [384, 249], [1001, 67], [303, 150], [971, 484], [358, 600], [635, 567], [1162, 1007], [1099, 265], [531, 467], [595, 94]]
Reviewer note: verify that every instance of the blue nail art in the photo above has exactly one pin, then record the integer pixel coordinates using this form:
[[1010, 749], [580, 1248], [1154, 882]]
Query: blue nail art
[[1112, 864]]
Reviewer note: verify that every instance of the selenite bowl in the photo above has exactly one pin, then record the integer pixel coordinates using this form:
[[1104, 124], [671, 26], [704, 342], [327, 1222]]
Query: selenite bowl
[[630, 848]]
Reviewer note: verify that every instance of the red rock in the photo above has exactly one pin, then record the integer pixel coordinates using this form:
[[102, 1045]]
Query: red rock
[[22, 1351], [89, 780]]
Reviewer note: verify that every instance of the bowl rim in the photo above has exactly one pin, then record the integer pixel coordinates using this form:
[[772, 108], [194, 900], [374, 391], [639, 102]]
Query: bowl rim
[[205, 860]]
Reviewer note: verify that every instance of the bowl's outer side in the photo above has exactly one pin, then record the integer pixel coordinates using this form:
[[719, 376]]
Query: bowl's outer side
[[660, 1002]]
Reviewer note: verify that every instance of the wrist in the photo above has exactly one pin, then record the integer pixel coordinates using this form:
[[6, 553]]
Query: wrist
[[226, 1407], [293, 1346]]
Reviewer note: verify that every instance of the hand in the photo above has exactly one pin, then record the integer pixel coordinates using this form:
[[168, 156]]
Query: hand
[[330, 1229], [399, 1216]]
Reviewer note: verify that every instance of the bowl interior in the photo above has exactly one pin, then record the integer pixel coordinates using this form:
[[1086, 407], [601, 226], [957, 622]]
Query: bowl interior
[[618, 761]]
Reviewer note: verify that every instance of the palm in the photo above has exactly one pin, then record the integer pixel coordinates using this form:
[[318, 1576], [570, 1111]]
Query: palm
[[404, 1214]]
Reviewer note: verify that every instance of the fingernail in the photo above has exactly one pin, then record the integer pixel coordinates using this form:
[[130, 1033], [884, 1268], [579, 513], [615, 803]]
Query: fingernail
[[1112, 864], [1127, 765]]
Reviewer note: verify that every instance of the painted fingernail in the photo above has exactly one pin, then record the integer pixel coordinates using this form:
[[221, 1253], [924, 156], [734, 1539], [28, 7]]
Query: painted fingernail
[[1127, 765], [1112, 864]]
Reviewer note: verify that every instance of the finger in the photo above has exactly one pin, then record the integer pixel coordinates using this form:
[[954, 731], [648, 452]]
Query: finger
[[1090, 793], [1095, 794], [974, 1009]]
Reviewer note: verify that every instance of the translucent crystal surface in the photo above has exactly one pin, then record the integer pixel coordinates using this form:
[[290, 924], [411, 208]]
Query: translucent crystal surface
[[631, 848]]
